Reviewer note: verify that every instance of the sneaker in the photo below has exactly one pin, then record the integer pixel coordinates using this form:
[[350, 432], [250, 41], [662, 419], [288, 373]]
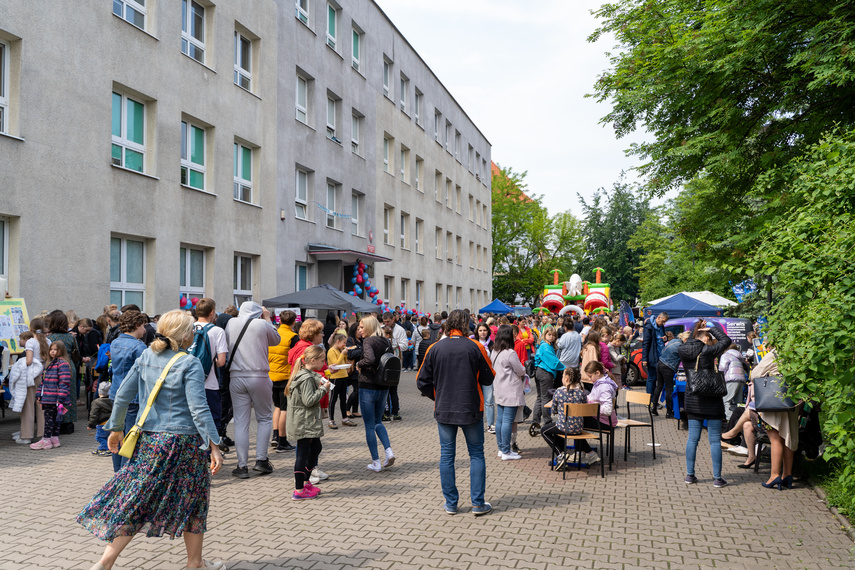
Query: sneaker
[[386, 418], [20, 441], [55, 441], [719, 483], [263, 466], [625, 387], [303, 494], [105, 453], [450, 509], [332, 425], [390, 458], [317, 476], [224, 448], [691, 479], [241, 472], [511, 456], [228, 441], [375, 466], [311, 487], [396, 418], [739, 450], [95, 451], [491, 429], [16, 435], [348, 422], [591, 458], [283, 448], [41, 444], [484, 509], [561, 462], [515, 448], [500, 454]]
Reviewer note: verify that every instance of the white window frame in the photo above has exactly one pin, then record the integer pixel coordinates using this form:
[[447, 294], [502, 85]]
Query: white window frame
[[438, 295], [354, 214], [332, 37], [457, 145], [417, 106], [241, 183], [419, 286], [405, 164], [354, 133], [419, 239], [242, 74], [301, 203], [387, 289], [448, 193], [405, 288], [302, 83], [387, 72], [387, 226], [241, 295], [386, 145], [331, 109], [404, 219], [187, 164], [448, 137], [302, 11], [419, 174], [187, 38], [123, 286], [4, 248], [188, 290], [438, 239], [332, 190], [437, 119], [133, 5], [403, 95], [5, 58], [298, 268], [355, 48], [122, 140]]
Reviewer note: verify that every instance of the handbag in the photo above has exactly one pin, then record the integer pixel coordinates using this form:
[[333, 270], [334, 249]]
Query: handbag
[[706, 384], [129, 443], [770, 395]]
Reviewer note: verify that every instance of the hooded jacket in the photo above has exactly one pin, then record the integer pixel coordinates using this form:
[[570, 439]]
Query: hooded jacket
[[20, 378], [730, 365], [250, 359], [304, 406], [694, 352], [603, 393]]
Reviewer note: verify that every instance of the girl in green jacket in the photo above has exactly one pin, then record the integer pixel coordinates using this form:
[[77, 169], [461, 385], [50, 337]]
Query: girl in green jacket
[[305, 390]]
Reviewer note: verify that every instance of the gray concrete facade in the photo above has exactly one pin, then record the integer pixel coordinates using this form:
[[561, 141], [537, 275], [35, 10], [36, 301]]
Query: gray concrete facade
[[75, 227]]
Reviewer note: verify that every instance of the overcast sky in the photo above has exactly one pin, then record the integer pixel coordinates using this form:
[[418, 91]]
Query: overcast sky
[[520, 70]]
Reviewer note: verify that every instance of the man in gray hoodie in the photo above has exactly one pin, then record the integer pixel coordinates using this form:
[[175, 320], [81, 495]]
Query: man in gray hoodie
[[250, 383]]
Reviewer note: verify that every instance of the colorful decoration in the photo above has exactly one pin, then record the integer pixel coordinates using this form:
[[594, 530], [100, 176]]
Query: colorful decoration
[[575, 295]]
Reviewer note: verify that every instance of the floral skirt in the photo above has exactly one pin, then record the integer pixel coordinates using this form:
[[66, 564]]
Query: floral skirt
[[162, 490]]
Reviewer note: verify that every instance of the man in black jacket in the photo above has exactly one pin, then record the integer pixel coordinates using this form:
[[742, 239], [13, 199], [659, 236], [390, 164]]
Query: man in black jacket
[[453, 371], [652, 345]]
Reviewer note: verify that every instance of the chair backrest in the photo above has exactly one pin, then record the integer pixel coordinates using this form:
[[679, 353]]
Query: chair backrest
[[582, 410], [637, 398]]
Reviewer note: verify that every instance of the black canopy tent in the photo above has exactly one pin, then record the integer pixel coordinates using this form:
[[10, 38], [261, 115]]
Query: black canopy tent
[[323, 296]]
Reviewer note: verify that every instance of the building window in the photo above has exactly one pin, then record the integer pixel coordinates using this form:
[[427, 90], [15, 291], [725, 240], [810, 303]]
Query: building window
[[193, 30], [354, 214], [405, 289], [4, 248], [437, 184], [127, 272], [448, 136], [405, 164], [302, 100], [437, 242], [405, 227], [458, 242], [128, 132], [387, 72], [420, 230], [303, 11], [301, 277], [448, 247], [330, 118], [4, 88], [448, 193], [448, 289], [331, 217], [437, 117], [404, 88], [354, 50], [192, 155], [417, 106], [131, 10], [302, 195], [471, 255], [419, 287], [386, 146], [332, 17], [243, 61], [478, 213], [457, 145], [191, 272], [484, 216], [471, 208], [354, 133], [419, 174], [477, 262], [243, 173], [475, 166], [387, 226], [469, 159], [458, 199], [438, 295], [387, 289], [243, 279]]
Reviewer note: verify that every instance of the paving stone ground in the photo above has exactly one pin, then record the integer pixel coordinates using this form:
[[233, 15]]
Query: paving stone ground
[[641, 515]]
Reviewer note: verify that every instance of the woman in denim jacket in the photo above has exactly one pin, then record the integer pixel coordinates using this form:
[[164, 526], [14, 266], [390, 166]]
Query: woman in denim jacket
[[164, 487]]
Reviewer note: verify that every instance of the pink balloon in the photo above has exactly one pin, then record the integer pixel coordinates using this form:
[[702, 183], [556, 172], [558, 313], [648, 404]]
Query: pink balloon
[[359, 279], [195, 300]]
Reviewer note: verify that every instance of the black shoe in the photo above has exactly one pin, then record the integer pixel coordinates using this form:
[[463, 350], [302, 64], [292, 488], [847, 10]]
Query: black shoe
[[386, 418], [224, 448], [228, 441], [654, 411], [241, 472], [283, 447], [515, 448], [669, 415], [263, 466], [396, 418]]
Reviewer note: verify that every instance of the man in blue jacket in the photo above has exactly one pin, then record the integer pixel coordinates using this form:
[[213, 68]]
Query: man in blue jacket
[[652, 345], [453, 371]]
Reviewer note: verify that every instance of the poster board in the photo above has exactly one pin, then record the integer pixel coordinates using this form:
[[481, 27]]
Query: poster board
[[13, 321]]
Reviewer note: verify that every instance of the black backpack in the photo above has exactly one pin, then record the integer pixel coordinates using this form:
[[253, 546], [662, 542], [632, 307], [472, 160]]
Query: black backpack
[[388, 371]]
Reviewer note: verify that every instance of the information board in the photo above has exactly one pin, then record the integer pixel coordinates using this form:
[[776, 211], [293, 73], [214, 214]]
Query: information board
[[13, 321]]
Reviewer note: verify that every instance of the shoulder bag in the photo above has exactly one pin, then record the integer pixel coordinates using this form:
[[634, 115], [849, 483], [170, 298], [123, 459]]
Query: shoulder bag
[[705, 383], [225, 371], [770, 395], [129, 443]]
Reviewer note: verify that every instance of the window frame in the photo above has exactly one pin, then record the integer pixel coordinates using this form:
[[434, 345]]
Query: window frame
[[301, 202], [187, 289], [5, 77], [187, 37], [402, 96], [4, 248], [302, 13], [240, 72], [417, 106], [134, 6], [304, 269], [418, 174], [355, 127], [241, 183], [304, 109], [387, 77], [386, 150], [387, 226], [241, 295], [332, 38], [121, 140], [404, 219], [124, 286], [331, 217], [419, 236], [331, 123], [405, 164], [354, 214], [187, 155], [355, 48]]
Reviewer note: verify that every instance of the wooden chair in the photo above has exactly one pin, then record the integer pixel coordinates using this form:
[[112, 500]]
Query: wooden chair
[[583, 411], [610, 436], [629, 423]]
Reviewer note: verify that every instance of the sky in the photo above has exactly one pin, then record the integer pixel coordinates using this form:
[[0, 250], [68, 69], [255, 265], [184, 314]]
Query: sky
[[521, 70]]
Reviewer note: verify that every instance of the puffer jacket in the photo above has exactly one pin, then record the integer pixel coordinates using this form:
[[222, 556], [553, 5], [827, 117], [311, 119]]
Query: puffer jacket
[[731, 365], [694, 351], [304, 406], [22, 377], [277, 355]]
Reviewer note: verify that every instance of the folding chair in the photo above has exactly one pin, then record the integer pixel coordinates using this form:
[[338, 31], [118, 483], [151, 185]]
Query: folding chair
[[628, 423], [580, 410]]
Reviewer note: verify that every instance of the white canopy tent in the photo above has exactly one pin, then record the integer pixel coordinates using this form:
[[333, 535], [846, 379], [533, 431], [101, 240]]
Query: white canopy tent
[[707, 297]]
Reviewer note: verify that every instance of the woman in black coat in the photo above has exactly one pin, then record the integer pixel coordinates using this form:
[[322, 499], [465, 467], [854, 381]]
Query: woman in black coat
[[698, 355], [354, 339]]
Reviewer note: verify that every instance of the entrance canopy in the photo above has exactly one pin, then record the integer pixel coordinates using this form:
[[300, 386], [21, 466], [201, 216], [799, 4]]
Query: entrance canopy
[[346, 256], [496, 307], [323, 297], [682, 305]]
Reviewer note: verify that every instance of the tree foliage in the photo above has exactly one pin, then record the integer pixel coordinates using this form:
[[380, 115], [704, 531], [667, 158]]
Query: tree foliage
[[527, 242], [610, 221]]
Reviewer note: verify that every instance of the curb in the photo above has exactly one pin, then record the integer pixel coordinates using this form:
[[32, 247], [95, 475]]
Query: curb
[[845, 525]]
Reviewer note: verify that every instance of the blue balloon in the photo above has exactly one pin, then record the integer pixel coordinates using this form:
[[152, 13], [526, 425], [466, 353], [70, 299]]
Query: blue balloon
[[351, 293], [353, 280], [357, 289]]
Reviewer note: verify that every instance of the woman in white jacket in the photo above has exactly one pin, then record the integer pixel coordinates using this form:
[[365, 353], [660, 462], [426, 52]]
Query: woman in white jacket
[[508, 389], [732, 364]]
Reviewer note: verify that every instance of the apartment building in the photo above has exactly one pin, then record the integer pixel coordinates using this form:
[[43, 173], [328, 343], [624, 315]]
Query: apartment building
[[153, 149]]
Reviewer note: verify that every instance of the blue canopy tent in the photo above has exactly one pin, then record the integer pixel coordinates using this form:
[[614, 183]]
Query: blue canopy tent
[[496, 307], [681, 305]]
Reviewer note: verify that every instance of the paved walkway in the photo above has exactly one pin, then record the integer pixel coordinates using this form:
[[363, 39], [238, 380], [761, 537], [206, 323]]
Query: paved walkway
[[640, 515]]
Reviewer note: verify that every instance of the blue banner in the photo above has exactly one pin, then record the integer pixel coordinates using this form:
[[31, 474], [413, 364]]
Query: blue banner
[[740, 290]]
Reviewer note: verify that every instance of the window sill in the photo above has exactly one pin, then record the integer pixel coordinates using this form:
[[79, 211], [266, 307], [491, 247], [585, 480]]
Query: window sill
[[405, 249], [138, 173], [404, 111], [137, 28], [405, 183], [13, 137], [389, 173], [389, 98], [307, 125], [335, 140], [308, 221], [185, 186], [356, 154], [358, 72], [439, 143], [420, 253], [419, 125], [247, 91], [334, 229], [248, 203], [335, 51], [196, 61], [305, 24]]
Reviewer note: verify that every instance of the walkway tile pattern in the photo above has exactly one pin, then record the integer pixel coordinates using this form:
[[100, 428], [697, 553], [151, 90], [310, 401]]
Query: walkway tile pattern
[[641, 515]]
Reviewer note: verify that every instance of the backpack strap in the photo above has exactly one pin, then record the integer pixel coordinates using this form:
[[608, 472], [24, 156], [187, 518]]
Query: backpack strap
[[237, 343]]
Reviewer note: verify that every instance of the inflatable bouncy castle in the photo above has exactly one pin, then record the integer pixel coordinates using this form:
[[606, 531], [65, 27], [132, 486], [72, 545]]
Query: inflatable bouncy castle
[[575, 295]]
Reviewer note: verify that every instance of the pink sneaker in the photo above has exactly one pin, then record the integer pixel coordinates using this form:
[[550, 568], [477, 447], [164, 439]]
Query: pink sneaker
[[308, 485], [303, 494], [54, 441], [42, 444]]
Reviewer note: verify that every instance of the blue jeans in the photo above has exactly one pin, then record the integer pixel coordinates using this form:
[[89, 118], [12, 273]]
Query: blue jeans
[[651, 377], [714, 434], [372, 404], [474, 434], [130, 420], [101, 436], [504, 421], [489, 405]]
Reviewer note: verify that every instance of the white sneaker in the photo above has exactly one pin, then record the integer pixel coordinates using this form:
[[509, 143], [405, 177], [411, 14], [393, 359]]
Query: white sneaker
[[591, 458], [491, 429], [23, 441], [390, 458], [319, 474], [511, 456], [739, 450], [374, 466], [16, 435], [500, 453]]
